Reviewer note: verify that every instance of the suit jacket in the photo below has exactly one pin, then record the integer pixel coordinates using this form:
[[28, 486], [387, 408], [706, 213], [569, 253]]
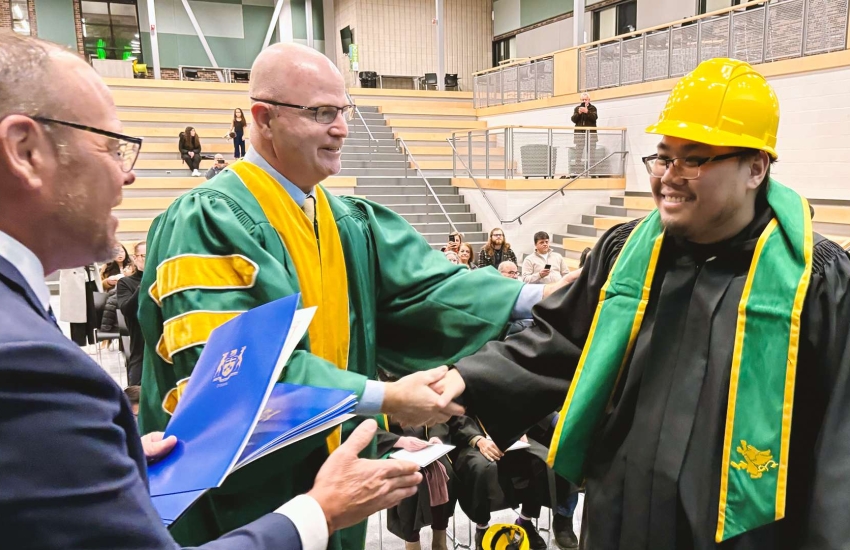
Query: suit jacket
[[72, 468]]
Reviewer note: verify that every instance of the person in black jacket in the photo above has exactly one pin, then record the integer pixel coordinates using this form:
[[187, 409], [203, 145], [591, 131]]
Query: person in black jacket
[[190, 149], [584, 116], [127, 293]]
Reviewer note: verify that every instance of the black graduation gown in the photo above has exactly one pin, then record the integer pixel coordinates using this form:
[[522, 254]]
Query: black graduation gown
[[408, 517], [520, 477], [653, 468]]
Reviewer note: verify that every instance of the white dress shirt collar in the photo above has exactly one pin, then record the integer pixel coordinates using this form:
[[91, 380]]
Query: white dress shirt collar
[[29, 266]]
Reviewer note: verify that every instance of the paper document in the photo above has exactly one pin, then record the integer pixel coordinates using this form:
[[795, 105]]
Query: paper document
[[424, 456], [516, 446]]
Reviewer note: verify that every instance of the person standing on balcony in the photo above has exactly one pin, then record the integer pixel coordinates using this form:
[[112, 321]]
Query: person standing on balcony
[[265, 228], [584, 116], [701, 359]]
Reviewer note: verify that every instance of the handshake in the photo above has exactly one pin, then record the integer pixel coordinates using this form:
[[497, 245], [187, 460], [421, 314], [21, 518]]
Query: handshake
[[424, 398]]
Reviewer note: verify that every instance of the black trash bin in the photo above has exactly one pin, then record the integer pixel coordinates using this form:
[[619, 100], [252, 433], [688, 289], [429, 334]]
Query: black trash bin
[[368, 79]]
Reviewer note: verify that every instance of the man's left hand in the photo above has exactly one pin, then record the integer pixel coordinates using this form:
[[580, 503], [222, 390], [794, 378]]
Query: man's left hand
[[156, 448]]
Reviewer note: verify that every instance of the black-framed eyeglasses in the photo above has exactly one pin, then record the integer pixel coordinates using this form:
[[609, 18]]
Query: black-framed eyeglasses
[[324, 114], [128, 146], [687, 167]]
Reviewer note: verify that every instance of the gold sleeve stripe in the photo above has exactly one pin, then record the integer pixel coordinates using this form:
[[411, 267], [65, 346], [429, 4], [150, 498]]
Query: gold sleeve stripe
[[189, 271], [169, 404], [190, 329]]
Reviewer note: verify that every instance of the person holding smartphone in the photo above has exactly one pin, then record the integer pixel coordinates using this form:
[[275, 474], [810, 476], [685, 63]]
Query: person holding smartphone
[[584, 116], [220, 164], [453, 245], [544, 265]]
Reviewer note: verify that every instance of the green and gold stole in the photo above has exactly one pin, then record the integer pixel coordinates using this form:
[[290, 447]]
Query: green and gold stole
[[754, 473]]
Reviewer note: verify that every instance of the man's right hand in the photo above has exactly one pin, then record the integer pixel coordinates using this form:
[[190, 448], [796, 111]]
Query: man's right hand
[[411, 444], [350, 489], [544, 273], [489, 449], [412, 401]]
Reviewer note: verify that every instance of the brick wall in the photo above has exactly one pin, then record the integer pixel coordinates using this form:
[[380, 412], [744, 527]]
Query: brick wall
[[5, 14], [78, 26]]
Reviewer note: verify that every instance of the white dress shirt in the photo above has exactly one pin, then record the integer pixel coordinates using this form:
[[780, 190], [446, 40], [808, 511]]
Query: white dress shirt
[[29, 266]]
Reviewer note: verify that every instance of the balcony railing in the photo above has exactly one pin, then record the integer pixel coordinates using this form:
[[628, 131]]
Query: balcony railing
[[757, 32], [515, 83], [538, 152]]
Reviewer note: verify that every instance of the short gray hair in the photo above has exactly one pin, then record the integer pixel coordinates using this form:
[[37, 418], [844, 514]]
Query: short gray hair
[[24, 75]]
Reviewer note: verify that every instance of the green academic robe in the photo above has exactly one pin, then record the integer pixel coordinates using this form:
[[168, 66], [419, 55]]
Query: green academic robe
[[409, 309]]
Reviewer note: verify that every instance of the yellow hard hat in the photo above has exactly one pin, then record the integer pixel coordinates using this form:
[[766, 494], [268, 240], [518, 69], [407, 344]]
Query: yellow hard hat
[[722, 102], [505, 536]]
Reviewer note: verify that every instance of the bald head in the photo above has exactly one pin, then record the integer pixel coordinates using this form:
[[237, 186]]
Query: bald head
[[287, 67], [291, 137]]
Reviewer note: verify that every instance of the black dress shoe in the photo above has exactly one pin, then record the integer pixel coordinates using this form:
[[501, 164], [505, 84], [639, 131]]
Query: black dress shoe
[[535, 541], [565, 538]]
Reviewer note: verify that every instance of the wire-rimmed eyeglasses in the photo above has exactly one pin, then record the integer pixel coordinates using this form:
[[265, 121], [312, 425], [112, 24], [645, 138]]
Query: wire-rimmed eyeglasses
[[128, 146], [687, 167], [324, 114]]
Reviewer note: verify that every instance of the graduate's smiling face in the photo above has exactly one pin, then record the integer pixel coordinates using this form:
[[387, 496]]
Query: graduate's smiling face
[[712, 203]]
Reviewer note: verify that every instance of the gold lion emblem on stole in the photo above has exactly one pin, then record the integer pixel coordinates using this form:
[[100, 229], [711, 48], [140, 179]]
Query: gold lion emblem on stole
[[229, 365], [755, 462]]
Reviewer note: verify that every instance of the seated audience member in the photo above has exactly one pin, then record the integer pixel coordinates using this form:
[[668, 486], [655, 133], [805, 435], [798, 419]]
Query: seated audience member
[[190, 149], [583, 258], [544, 265], [75, 477], [133, 394], [509, 269], [454, 242], [489, 479], [465, 253], [435, 501], [496, 251], [128, 302], [219, 165], [120, 266], [452, 257]]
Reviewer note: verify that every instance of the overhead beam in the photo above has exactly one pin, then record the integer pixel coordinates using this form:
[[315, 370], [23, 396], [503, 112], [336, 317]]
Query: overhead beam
[[200, 33]]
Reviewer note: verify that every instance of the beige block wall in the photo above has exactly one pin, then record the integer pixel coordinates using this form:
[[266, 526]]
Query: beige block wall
[[398, 37]]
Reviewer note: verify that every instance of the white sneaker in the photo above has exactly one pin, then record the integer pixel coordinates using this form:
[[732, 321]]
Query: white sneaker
[[195, 173]]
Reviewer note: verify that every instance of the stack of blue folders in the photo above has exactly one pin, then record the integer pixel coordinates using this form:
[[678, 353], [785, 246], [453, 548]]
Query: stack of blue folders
[[233, 411]]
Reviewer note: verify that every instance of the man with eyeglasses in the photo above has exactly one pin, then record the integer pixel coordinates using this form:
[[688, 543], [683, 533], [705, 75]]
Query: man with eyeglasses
[[701, 359], [72, 466], [264, 228]]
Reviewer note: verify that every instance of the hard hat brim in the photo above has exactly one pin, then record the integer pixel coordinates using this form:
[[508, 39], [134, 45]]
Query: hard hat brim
[[708, 135]]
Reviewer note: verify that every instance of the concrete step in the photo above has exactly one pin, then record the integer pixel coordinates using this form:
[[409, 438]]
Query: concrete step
[[437, 217], [440, 238], [354, 147], [428, 209], [373, 164], [464, 227], [372, 157], [581, 229], [412, 189], [359, 172], [388, 200], [366, 182], [611, 210]]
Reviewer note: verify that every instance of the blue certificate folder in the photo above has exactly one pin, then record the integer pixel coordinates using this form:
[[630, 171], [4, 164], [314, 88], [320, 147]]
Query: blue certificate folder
[[232, 411]]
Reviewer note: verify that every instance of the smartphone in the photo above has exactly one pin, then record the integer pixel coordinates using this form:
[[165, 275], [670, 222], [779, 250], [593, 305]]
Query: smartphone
[[547, 266], [451, 238]]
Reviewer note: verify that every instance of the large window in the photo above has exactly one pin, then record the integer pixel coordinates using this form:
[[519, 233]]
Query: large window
[[503, 50], [707, 6], [614, 20], [111, 29], [20, 17]]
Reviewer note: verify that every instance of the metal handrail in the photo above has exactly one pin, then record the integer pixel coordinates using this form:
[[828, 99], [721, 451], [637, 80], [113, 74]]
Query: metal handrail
[[472, 177], [363, 120], [571, 179], [403, 145], [561, 189]]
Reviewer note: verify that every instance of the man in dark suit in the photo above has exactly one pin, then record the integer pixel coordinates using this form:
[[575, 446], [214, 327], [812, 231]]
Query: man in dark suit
[[72, 465]]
